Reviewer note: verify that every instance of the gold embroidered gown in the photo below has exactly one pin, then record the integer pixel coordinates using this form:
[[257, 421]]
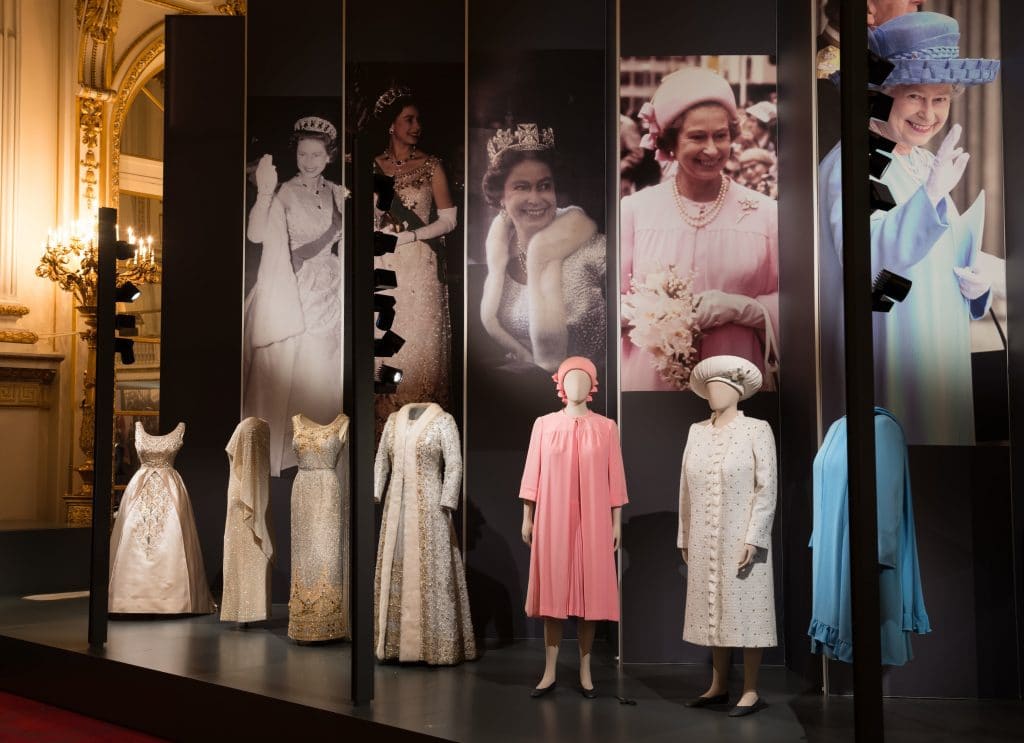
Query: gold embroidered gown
[[248, 535], [318, 605], [421, 604], [421, 304], [156, 565]]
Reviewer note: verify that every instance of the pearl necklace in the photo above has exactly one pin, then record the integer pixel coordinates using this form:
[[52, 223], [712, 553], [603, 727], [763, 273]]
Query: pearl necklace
[[707, 213]]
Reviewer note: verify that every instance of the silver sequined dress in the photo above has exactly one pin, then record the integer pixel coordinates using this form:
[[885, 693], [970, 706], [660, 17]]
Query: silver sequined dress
[[318, 604], [248, 534], [583, 280], [421, 603], [156, 565], [421, 306]]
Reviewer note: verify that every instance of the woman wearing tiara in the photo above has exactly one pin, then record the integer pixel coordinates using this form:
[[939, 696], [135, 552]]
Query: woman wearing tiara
[[421, 214], [292, 342], [544, 296]]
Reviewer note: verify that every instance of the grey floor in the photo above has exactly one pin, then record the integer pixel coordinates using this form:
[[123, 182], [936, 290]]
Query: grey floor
[[488, 699]]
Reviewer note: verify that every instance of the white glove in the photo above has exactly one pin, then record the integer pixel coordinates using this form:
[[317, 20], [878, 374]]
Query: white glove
[[947, 168], [266, 176], [714, 308], [972, 283], [445, 223]]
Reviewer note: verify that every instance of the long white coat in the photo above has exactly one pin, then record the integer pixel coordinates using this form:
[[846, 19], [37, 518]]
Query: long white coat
[[727, 494]]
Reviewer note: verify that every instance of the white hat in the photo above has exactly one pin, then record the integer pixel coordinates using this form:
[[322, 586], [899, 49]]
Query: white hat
[[737, 372]]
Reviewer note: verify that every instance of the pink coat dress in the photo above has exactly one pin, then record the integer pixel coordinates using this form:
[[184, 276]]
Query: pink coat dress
[[737, 253], [575, 477]]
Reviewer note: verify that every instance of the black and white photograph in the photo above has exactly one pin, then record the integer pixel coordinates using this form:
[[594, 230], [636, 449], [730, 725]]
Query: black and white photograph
[[292, 345], [699, 219]]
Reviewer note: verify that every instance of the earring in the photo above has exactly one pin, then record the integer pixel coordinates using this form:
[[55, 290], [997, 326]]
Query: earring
[[391, 130], [503, 213]]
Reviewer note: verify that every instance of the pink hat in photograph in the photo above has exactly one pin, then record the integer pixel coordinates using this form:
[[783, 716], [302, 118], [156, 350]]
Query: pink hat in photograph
[[678, 92], [575, 362]]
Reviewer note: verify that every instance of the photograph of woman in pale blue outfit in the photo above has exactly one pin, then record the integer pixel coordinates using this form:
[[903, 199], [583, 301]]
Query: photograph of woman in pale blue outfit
[[922, 347]]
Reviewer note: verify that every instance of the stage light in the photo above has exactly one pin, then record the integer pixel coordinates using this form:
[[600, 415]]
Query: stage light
[[888, 288], [387, 380], [384, 187], [879, 69], [384, 306], [388, 345], [384, 279], [125, 348], [125, 324], [880, 196], [127, 292], [384, 242], [879, 105], [124, 249]]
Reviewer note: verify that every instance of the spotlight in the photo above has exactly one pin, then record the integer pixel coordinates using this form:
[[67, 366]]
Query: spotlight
[[384, 187], [387, 380], [125, 349], [124, 250], [888, 288], [384, 279], [384, 306], [127, 292], [388, 345], [880, 143], [384, 242], [880, 196], [125, 324], [879, 105], [878, 69]]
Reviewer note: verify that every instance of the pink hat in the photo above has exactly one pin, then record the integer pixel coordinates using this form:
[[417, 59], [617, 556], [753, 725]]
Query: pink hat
[[575, 362], [679, 91]]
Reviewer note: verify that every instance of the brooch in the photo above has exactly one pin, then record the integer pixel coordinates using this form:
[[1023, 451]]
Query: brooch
[[747, 205]]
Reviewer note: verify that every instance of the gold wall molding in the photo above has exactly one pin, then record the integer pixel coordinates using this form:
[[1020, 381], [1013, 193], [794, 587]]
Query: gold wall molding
[[18, 310], [18, 336], [232, 7], [134, 78]]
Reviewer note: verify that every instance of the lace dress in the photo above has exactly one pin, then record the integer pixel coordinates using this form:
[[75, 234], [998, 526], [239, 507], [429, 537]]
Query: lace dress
[[421, 603], [421, 305], [156, 565], [248, 535], [318, 606]]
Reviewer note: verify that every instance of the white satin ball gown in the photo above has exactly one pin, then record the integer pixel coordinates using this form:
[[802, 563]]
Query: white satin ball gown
[[156, 565]]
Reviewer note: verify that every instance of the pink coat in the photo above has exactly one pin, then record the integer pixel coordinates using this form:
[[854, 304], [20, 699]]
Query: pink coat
[[574, 474], [737, 253]]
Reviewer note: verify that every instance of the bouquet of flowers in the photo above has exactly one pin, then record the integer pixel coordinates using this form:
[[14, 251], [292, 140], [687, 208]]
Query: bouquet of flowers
[[660, 314]]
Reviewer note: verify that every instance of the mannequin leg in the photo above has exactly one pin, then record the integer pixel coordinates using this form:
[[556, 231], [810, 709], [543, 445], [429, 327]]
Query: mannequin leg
[[552, 637], [751, 665], [720, 672], [586, 631]]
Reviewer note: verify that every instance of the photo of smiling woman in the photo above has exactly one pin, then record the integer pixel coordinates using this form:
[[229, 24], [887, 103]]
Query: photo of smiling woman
[[292, 332], [699, 250]]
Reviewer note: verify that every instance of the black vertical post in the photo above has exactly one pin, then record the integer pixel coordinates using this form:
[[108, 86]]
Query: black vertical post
[[611, 188], [359, 265], [103, 439], [860, 393]]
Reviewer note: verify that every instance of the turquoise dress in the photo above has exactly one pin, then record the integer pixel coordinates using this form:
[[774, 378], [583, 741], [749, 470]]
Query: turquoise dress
[[922, 347], [899, 581]]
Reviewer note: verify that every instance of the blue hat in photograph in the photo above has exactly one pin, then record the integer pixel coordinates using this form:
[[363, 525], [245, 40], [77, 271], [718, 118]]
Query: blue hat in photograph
[[925, 49]]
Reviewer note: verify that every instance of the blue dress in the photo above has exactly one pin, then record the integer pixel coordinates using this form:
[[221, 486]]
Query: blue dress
[[902, 603], [922, 347]]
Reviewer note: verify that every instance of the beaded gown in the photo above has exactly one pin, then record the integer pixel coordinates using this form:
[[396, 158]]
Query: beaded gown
[[421, 603], [248, 534], [156, 565], [422, 316], [318, 604]]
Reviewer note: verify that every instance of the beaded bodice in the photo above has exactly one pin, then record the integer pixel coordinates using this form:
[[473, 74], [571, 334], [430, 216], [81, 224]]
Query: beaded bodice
[[310, 209], [158, 451], [317, 446], [415, 188]]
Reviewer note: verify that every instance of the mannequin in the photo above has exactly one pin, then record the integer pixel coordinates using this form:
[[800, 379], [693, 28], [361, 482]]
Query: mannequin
[[727, 505], [565, 487]]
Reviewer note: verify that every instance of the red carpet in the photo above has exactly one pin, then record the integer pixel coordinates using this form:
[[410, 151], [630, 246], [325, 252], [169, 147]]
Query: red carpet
[[24, 719]]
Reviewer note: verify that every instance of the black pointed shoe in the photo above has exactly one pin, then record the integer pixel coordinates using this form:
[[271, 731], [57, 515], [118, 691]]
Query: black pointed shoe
[[537, 693], [590, 693], [748, 709], [717, 699]]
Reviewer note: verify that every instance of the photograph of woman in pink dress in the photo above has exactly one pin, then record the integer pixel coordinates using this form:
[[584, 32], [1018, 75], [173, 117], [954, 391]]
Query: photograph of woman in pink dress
[[701, 229]]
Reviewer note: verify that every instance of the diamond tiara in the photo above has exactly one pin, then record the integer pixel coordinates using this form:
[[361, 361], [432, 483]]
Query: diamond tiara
[[524, 137], [388, 97], [316, 124]]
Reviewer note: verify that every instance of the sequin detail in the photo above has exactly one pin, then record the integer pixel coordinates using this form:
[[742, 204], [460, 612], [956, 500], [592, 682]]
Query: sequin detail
[[153, 508], [318, 603], [420, 583]]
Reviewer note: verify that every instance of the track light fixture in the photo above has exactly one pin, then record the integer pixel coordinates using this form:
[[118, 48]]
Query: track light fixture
[[888, 288], [127, 292], [125, 324], [387, 380], [388, 345], [125, 348]]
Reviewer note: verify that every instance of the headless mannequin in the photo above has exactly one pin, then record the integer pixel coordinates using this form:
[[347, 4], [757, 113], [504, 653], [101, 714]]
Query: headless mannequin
[[723, 398], [577, 386]]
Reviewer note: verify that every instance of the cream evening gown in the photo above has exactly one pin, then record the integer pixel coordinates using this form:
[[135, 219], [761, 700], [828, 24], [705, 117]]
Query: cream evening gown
[[156, 565]]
